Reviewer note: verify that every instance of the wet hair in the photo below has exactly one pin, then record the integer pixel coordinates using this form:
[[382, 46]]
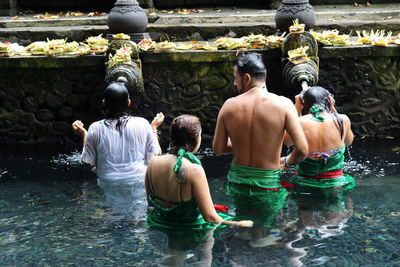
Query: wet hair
[[318, 96], [253, 65], [116, 98], [184, 132]]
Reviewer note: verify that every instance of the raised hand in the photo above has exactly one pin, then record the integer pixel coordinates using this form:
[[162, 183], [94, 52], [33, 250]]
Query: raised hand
[[298, 103], [157, 121], [77, 126], [332, 104]]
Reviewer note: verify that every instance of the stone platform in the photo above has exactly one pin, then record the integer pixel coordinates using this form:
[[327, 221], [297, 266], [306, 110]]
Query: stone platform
[[202, 26]]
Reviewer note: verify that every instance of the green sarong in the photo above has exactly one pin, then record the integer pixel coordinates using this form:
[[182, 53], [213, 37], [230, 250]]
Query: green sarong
[[183, 223], [323, 174], [257, 194]]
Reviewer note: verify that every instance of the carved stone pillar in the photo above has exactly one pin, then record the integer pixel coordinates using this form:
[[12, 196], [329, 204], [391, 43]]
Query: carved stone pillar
[[292, 9], [128, 17]]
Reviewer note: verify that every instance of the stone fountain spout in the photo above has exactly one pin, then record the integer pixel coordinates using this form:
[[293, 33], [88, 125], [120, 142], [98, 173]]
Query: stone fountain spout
[[128, 72], [298, 76], [306, 73], [126, 18]]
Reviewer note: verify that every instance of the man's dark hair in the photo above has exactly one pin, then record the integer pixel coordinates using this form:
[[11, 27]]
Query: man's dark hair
[[184, 131], [253, 65]]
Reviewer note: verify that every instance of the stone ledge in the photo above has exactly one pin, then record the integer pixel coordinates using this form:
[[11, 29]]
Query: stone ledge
[[359, 51], [195, 56], [60, 22], [44, 62], [203, 56]]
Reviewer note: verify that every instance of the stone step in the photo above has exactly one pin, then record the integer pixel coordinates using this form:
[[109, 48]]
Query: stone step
[[65, 21], [322, 14], [27, 35], [201, 26], [226, 15]]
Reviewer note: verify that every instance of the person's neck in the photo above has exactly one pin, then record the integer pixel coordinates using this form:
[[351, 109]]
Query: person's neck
[[257, 86]]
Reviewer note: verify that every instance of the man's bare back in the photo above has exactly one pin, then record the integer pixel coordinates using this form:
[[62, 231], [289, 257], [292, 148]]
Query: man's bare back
[[252, 125], [255, 122]]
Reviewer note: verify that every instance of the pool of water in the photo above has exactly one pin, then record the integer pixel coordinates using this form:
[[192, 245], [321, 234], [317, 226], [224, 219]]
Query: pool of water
[[52, 213]]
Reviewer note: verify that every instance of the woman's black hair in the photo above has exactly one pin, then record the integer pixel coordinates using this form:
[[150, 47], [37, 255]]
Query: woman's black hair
[[319, 97], [253, 65], [184, 132], [116, 98]]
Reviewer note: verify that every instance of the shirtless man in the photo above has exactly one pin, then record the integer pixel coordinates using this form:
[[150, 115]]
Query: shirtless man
[[252, 126]]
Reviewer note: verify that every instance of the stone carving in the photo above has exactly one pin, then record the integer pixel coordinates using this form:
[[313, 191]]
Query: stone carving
[[129, 74], [291, 10], [308, 72], [296, 74], [127, 17], [372, 106], [128, 71]]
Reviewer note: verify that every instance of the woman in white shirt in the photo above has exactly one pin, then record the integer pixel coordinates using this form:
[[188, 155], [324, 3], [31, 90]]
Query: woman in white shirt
[[119, 147]]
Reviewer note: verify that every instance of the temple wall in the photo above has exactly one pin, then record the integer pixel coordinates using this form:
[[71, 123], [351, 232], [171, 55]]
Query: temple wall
[[41, 96]]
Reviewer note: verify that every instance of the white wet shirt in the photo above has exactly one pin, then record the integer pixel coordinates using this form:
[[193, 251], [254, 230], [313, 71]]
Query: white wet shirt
[[120, 157]]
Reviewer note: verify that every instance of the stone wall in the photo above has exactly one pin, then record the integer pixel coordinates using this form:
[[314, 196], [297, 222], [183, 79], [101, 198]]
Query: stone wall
[[366, 83], [40, 97]]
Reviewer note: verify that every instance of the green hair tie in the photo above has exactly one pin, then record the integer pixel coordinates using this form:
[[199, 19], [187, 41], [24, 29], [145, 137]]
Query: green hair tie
[[315, 111], [182, 153]]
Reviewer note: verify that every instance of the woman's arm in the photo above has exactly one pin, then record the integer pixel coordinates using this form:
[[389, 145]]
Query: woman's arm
[[298, 103], [157, 121], [202, 196], [77, 126], [349, 136]]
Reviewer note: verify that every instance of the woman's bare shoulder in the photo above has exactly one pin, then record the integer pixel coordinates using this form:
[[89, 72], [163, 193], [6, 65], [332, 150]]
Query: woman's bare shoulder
[[161, 160], [344, 117], [194, 171]]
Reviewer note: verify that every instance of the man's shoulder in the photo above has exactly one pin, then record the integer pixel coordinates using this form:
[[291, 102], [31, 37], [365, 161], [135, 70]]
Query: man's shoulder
[[231, 100], [281, 99], [276, 101], [230, 103]]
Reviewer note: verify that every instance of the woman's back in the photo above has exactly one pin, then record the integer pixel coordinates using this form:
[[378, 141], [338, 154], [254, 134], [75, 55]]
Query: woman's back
[[327, 133], [166, 187], [323, 136]]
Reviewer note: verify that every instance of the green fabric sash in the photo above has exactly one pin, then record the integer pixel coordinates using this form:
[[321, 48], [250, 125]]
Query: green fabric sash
[[179, 217], [183, 223], [241, 174], [183, 153], [185, 216], [313, 167], [247, 187], [253, 203], [316, 111]]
